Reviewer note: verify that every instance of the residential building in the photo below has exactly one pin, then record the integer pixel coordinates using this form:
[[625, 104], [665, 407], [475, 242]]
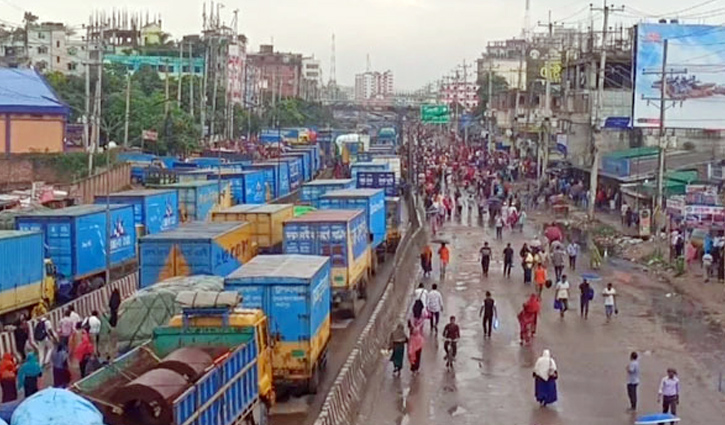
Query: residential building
[[374, 86], [311, 79], [462, 93], [50, 47], [32, 117], [279, 74]]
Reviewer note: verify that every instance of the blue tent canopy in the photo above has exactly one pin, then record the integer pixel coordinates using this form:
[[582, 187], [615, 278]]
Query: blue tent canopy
[[24, 91]]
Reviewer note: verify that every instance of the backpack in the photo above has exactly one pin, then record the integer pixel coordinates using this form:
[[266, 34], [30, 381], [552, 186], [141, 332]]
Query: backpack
[[40, 332]]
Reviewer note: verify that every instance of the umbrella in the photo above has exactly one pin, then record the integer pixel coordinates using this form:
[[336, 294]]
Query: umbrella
[[656, 418], [553, 233]]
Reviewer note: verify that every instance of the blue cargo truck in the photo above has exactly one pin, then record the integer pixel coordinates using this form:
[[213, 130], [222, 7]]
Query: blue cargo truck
[[305, 163], [248, 187], [295, 171], [197, 199], [378, 180], [294, 293], [372, 201], [209, 366], [281, 176], [342, 236], [367, 166], [27, 279], [311, 191], [76, 240], [154, 210], [314, 152], [270, 179]]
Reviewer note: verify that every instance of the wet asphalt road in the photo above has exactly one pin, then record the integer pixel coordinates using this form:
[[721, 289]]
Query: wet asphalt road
[[492, 382]]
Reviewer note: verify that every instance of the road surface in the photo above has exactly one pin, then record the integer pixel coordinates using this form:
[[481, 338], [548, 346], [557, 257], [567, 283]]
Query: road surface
[[492, 382]]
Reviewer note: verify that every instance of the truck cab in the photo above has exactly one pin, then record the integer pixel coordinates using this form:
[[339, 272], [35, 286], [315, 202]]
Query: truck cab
[[48, 291], [243, 319]]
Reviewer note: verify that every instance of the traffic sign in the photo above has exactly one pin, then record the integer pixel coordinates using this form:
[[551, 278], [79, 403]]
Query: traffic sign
[[435, 114]]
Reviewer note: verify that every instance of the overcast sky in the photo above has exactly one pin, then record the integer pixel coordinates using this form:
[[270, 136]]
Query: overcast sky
[[419, 40]]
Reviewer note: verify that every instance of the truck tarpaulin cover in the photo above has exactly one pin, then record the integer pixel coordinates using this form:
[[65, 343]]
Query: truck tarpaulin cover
[[54, 406], [151, 307]]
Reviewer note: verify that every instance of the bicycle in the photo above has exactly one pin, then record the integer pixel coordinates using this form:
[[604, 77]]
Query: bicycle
[[450, 346]]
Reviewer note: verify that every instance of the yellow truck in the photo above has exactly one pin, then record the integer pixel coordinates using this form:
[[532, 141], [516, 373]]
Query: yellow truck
[[266, 220]]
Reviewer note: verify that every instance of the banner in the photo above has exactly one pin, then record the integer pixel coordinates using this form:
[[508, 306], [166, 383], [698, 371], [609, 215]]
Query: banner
[[236, 56], [695, 87], [562, 143]]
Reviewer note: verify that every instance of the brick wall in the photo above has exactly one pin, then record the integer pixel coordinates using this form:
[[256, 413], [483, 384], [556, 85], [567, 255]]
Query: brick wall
[[19, 173]]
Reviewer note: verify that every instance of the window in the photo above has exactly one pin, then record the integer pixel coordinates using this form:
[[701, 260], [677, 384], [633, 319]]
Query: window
[[57, 59], [42, 50], [41, 36], [197, 70], [72, 66], [57, 43], [185, 69]]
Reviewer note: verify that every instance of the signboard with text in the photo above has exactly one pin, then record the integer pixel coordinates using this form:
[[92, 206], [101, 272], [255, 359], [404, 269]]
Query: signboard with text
[[435, 114]]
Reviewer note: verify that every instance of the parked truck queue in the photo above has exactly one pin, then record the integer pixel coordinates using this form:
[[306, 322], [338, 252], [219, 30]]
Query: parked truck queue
[[293, 251]]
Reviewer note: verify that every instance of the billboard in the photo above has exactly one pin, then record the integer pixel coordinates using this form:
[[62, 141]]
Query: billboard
[[435, 114], [236, 56], [695, 86]]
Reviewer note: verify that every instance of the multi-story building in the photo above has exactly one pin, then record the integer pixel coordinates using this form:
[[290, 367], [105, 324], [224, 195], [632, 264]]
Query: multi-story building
[[374, 86], [311, 79], [279, 74], [48, 47], [462, 93]]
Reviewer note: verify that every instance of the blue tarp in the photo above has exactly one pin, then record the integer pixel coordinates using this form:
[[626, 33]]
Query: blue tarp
[[24, 91], [54, 406]]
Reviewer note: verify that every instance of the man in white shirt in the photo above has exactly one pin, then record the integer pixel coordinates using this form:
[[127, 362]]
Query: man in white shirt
[[609, 294], [573, 251], [562, 294], [435, 307], [421, 294], [669, 392], [74, 317], [94, 326]]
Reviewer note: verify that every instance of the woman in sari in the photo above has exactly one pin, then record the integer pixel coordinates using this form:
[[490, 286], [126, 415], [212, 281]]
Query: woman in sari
[[9, 378], [528, 318], [398, 339], [545, 376], [29, 374], [415, 343], [426, 260]]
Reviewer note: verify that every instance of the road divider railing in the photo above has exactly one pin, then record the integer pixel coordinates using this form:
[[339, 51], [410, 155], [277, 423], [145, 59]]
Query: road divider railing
[[96, 300], [342, 403]]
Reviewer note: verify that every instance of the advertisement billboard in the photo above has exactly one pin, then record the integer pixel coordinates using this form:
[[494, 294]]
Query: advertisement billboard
[[236, 56], [695, 86]]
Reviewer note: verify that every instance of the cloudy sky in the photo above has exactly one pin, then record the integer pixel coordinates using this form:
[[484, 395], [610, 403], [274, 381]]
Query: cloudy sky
[[420, 40]]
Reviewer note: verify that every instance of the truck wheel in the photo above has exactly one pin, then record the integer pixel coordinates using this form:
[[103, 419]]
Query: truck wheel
[[352, 311], [313, 383]]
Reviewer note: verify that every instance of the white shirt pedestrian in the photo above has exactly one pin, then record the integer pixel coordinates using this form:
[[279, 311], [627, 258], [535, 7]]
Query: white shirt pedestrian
[[609, 294], [422, 295], [562, 290], [435, 301]]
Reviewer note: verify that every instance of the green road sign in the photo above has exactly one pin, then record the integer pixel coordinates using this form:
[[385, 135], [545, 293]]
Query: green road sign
[[435, 114]]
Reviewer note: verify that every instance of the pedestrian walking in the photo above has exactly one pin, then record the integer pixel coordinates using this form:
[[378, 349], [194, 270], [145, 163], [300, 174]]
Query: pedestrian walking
[[113, 305], [508, 260], [75, 317], [573, 251], [707, 261], [61, 368], [610, 301], [528, 318], [83, 351], [398, 339], [633, 380], [528, 265], [94, 327], [485, 257], [44, 336], [669, 392], [29, 374], [9, 377], [66, 326], [434, 304], [561, 289], [540, 279], [445, 257], [586, 294], [545, 376], [557, 258], [426, 260], [499, 227], [415, 342], [21, 333], [489, 313]]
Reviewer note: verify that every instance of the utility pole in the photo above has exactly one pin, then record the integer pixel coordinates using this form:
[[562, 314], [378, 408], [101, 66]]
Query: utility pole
[[664, 75], [489, 110], [191, 80], [202, 95], [215, 87], [597, 125], [87, 117], [166, 88], [180, 74], [128, 110]]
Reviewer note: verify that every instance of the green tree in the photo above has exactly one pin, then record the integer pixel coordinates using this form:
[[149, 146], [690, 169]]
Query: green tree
[[498, 85]]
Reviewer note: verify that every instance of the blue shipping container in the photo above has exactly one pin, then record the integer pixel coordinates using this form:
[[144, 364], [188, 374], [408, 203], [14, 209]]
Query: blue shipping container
[[367, 166], [295, 171], [378, 180], [75, 237], [21, 269], [270, 180], [196, 199], [294, 293], [370, 200], [304, 158], [281, 176], [314, 151], [248, 187], [327, 233], [312, 191], [155, 209]]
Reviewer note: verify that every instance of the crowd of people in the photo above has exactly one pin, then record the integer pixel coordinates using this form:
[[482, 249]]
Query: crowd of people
[[55, 355]]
